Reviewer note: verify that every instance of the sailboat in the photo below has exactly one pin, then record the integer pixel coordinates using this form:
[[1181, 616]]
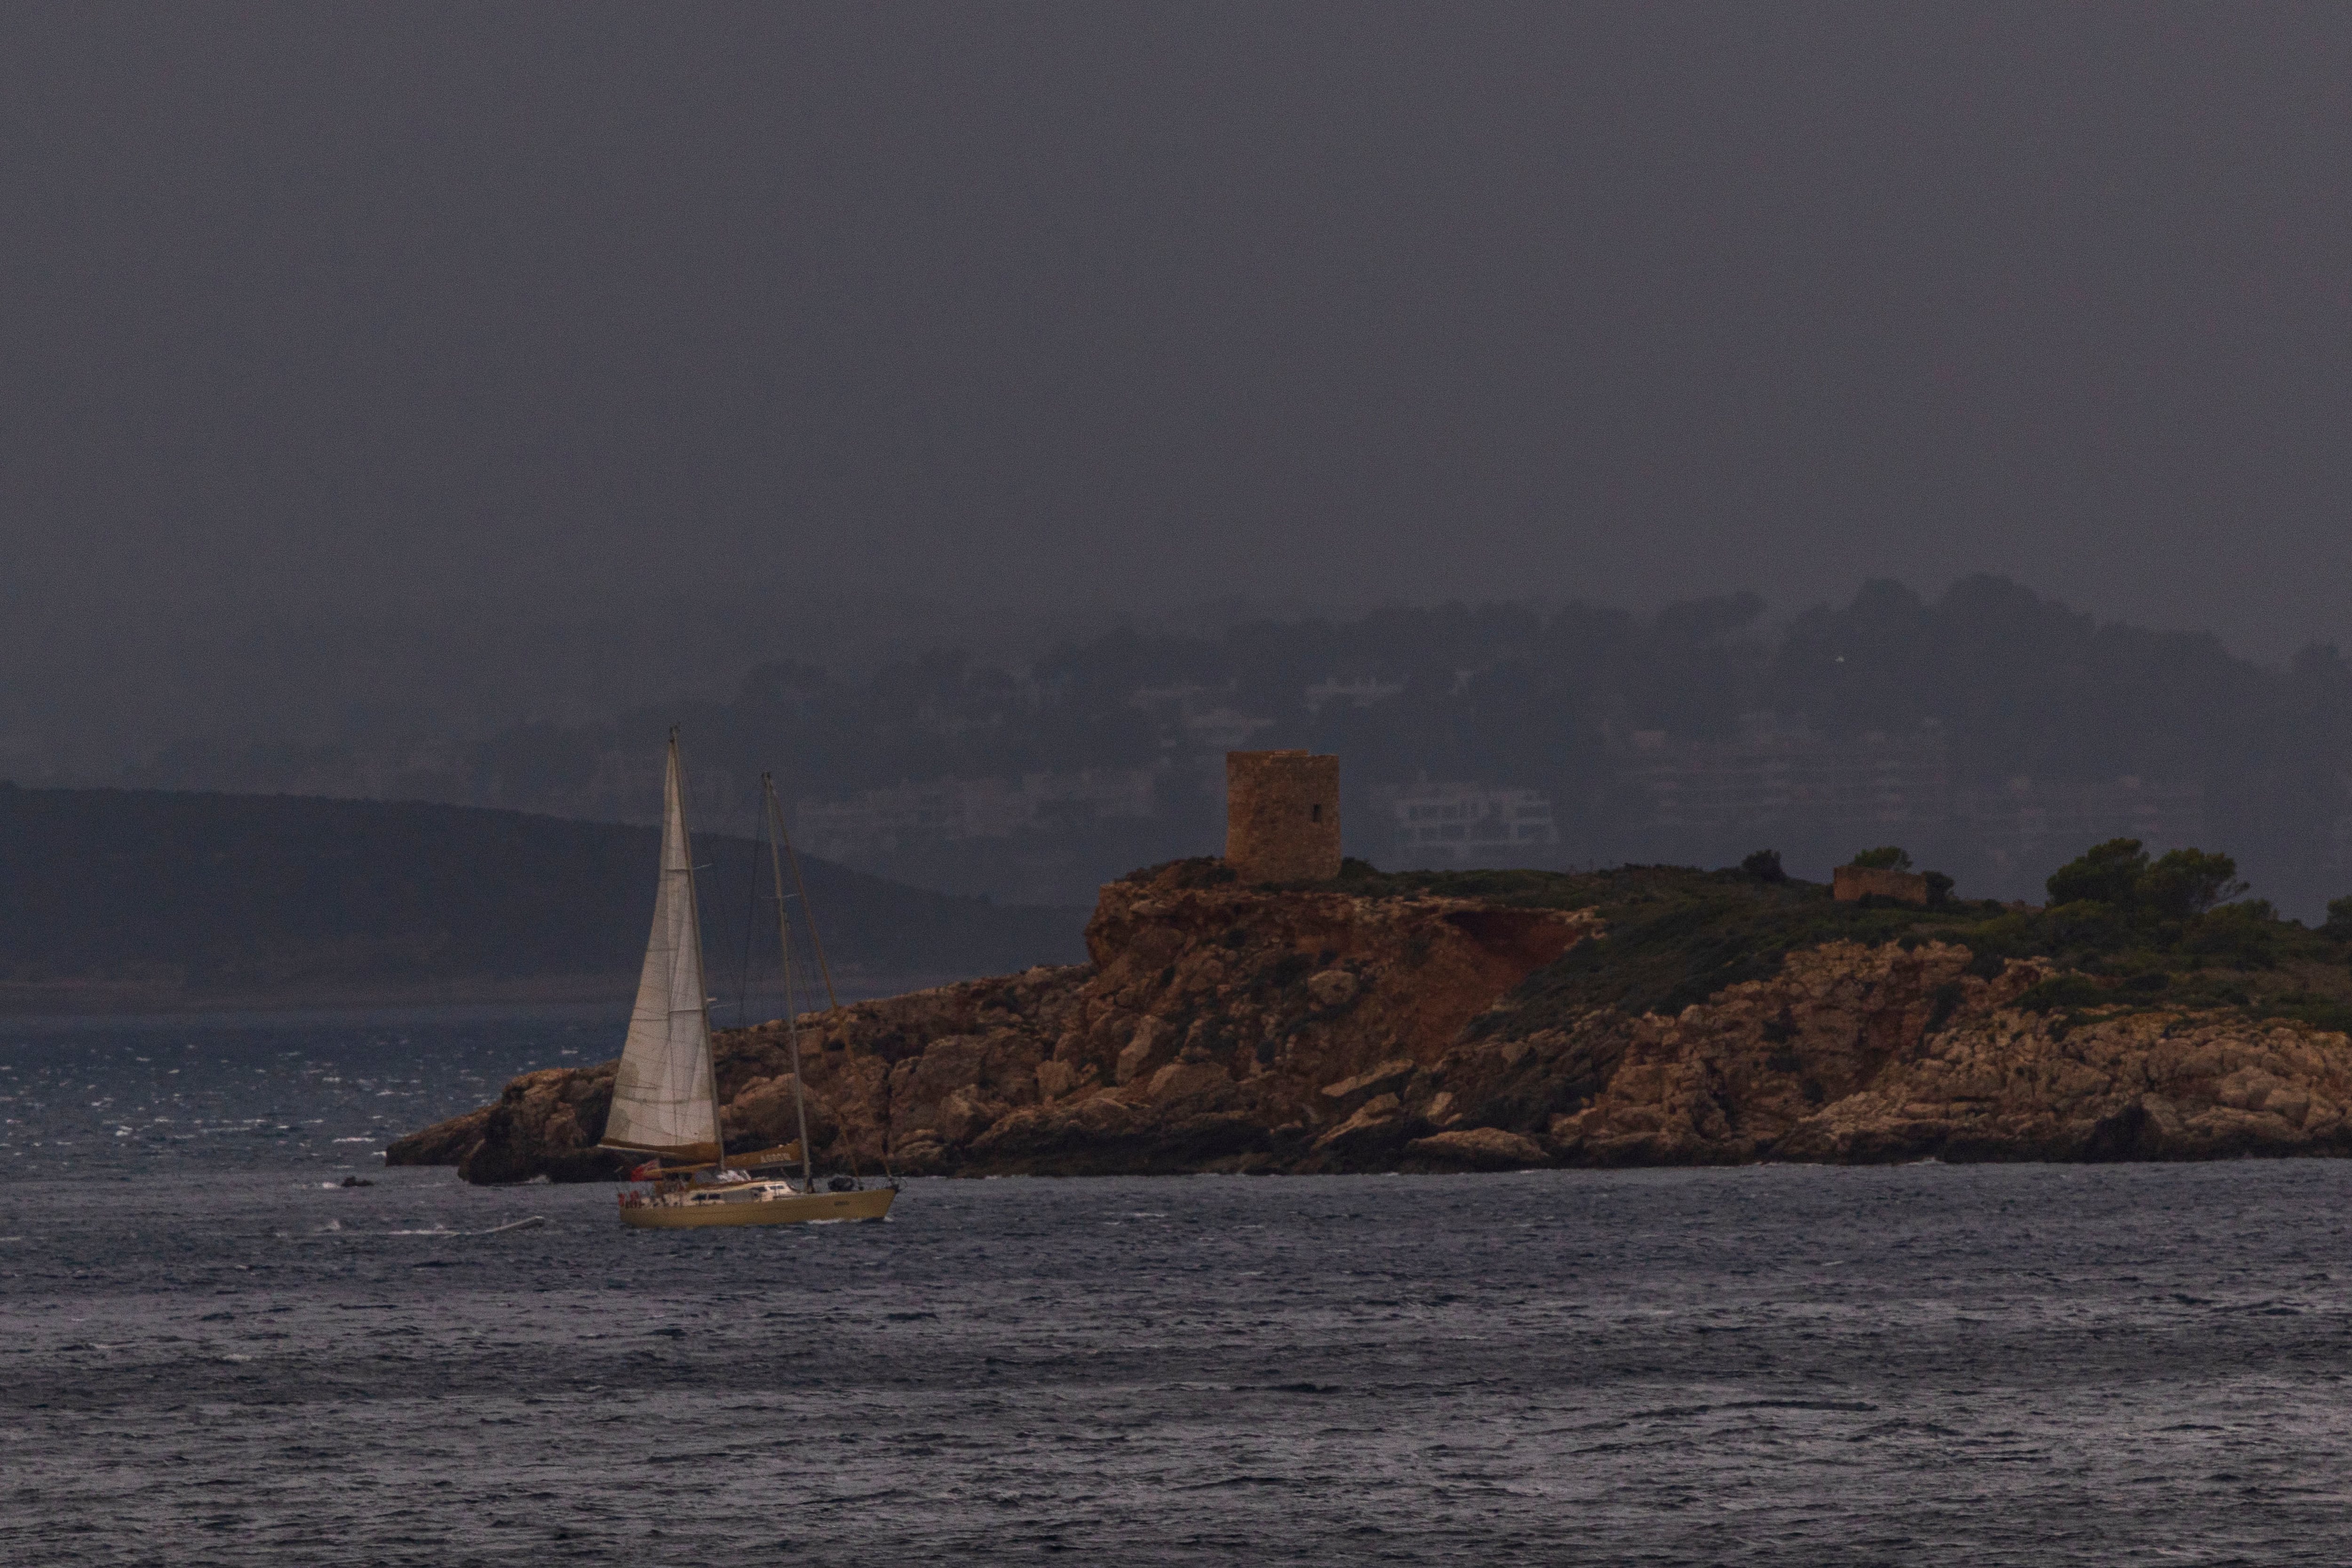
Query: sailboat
[[665, 1094]]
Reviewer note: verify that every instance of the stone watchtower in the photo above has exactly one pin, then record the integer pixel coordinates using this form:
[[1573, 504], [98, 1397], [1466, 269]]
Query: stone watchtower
[[1282, 816]]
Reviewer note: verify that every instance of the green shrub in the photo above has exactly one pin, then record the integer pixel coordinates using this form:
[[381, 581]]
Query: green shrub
[[2185, 882], [2106, 873], [2009, 935], [2244, 934], [1676, 936], [2063, 991], [2319, 1012], [2339, 920], [2182, 883], [2086, 925], [1885, 858]]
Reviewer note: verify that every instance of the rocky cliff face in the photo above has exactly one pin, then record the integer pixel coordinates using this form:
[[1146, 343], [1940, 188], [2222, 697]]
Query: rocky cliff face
[[1223, 1028], [1216, 1027], [1882, 1053]]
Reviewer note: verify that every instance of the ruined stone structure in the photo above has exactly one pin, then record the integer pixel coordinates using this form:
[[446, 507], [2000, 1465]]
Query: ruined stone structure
[[1851, 884], [1282, 816]]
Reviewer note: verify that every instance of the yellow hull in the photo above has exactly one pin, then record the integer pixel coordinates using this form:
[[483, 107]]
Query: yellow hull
[[798, 1209]]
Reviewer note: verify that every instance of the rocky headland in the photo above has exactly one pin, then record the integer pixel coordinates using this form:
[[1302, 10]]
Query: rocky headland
[[1645, 1017]]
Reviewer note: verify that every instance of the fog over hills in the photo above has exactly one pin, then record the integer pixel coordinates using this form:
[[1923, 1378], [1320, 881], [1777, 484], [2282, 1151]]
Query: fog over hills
[[436, 403], [491, 359], [1991, 731]]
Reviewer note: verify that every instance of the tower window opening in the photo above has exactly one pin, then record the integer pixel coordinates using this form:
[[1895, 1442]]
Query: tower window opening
[[1314, 812]]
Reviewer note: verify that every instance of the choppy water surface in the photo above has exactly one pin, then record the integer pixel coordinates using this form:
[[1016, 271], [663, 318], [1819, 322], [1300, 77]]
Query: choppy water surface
[[211, 1355]]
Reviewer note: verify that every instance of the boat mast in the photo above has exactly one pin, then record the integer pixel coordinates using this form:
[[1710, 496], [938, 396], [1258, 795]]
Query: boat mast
[[832, 998], [702, 997], [784, 946], [808, 911]]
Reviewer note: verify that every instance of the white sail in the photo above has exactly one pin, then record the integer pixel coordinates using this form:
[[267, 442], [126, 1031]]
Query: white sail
[[663, 1098]]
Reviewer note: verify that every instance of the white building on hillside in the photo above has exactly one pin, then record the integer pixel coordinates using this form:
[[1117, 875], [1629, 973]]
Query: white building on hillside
[[1455, 827]]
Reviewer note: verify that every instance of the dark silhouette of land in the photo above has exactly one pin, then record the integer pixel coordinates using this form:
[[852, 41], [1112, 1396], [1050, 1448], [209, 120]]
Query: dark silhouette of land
[[143, 898]]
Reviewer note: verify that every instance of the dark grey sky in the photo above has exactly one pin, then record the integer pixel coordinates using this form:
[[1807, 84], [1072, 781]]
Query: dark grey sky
[[346, 306]]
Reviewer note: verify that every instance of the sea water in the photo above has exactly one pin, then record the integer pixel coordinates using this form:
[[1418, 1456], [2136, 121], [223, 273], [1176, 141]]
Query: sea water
[[212, 1351]]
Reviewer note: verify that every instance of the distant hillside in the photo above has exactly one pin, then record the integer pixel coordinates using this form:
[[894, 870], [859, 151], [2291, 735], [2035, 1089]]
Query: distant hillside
[[132, 897], [2001, 729]]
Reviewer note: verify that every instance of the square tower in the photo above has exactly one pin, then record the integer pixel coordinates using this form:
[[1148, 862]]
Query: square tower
[[1282, 816]]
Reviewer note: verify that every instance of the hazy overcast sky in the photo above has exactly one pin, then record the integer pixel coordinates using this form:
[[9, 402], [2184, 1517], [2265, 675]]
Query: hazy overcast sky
[[342, 305]]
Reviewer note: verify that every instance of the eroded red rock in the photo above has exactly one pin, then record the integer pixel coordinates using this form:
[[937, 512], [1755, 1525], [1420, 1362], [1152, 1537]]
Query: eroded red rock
[[1203, 1035], [1221, 1027]]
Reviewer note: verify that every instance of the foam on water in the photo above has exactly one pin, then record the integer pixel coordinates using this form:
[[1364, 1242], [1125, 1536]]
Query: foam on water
[[211, 1357]]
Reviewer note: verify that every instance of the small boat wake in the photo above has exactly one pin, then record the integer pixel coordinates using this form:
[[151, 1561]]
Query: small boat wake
[[532, 1222]]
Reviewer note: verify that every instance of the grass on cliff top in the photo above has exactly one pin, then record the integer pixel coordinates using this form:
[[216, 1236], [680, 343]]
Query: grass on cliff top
[[1678, 936]]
